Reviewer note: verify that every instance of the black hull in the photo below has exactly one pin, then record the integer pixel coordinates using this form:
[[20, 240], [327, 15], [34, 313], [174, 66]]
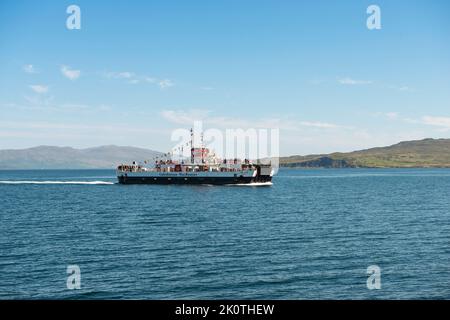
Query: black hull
[[193, 180]]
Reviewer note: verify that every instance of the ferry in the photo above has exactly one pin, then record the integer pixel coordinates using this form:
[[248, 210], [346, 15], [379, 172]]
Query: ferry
[[201, 168]]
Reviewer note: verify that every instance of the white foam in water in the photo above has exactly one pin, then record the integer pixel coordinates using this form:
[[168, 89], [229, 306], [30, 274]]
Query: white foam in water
[[254, 184], [55, 182]]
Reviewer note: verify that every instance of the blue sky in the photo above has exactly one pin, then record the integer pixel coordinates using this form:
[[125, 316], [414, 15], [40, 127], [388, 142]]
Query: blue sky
[[139, 69]]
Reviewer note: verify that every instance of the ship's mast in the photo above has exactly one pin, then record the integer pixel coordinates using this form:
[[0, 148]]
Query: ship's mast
[[202, 147], [192, 147]]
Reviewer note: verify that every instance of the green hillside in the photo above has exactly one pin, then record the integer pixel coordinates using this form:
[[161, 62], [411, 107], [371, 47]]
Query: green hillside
[[408, 154]]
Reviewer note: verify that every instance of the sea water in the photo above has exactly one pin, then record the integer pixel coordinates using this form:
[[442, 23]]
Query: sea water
[[312, 234]]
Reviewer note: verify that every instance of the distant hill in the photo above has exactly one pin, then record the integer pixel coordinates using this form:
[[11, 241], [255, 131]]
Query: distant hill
[[47, 157], [408, 154]]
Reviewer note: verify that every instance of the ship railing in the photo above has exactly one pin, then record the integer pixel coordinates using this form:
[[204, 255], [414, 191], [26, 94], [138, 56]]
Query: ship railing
[[131, 168]]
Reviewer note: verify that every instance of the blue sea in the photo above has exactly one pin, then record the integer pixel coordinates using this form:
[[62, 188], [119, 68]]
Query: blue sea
[[311, 235]]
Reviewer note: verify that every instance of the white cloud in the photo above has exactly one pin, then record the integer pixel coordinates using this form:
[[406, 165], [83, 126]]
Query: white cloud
[[184, 118], [125, 75], [39, 88], [166, 83], [443, 122], [188, 117], [70, 73], [120, 75], [401, 88], [354, 82], [134, 78], [411, 121], [319, 124], [391, 115], [150, 79], [350, 81], [29, 68], [130, 77]]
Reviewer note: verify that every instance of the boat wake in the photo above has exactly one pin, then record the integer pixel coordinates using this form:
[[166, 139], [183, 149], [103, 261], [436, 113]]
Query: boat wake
[[56, 182], [254, 184]]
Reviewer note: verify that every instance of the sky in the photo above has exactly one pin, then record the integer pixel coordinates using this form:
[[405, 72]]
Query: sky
[[137, 70]]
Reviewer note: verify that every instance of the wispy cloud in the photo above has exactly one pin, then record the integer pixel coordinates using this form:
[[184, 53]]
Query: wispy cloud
[[70, 73], [129, 77], [38, 102], [47, 103], [316, 82], [119, 75], [187, 118], [355, 82], [63, 133], [319, 124], [39, 88], [391, 115], [350, 81], [166, 83], [133, 78], [29, 68], [183, 117], [443, 122], [150, 79], [401, 88]]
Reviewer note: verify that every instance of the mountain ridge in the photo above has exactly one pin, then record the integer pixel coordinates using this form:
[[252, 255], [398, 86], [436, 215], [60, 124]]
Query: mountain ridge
[[425, 153], [53, 157]]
